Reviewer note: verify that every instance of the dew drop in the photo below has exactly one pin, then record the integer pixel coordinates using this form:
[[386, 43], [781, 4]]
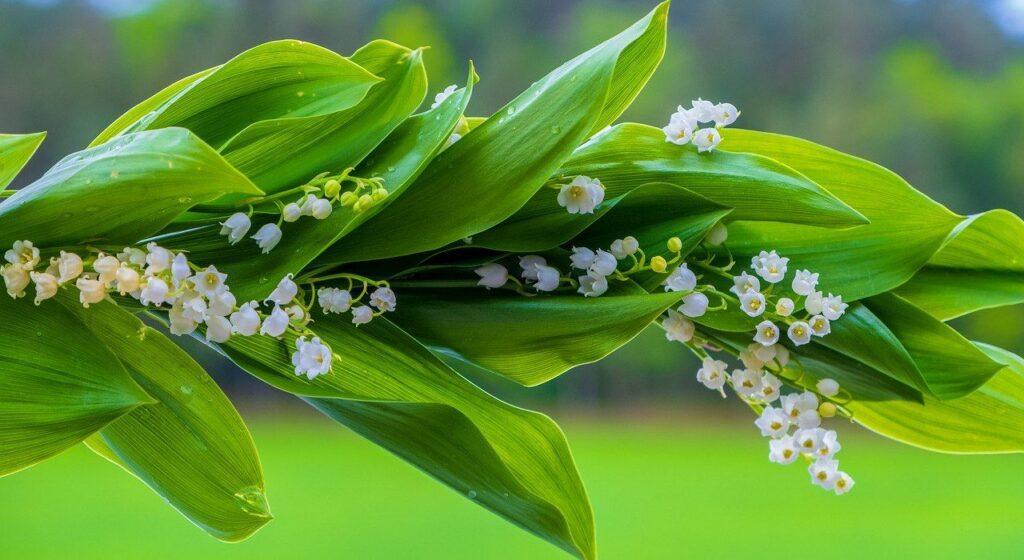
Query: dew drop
[[185, 200], [253, 501], [556, 129], [391, 169], [471, 494]]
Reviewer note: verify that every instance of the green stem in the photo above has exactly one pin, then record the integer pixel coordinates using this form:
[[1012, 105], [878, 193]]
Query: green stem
[[7, 193]]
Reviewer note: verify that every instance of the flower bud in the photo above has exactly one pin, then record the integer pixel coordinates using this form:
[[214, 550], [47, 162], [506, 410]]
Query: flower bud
[[332, 188], [348, 198], [365, 202], [69, 267], [322, 208], [827, 410], [106, 266], [379, 194], [717, 235], [268, 237], [658, 264], [675, 244]]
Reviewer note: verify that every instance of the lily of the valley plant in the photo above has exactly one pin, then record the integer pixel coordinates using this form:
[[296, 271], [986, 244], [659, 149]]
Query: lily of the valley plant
[[292, 209]]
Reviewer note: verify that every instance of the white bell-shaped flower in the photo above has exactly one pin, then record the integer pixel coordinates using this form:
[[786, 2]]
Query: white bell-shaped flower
[[767, 333], [843, 483], [752, 303], [820, 326], [725, 114], [713, 374], [706, 139], [334, 300], [784, 307], [158, 259], [770, 386], [311, 359], [718, 235], [222, 304], [46, 285], [624, 247], [492, 275], [783, 450], [69, 267], [106, 266], [383, 299], [235, 227], [604, 263], [16, 279], [804, 282], [800, 333], [23, 254], [154, 292], [829, 445], [828, 387], [548, 278], [321, 208], [362, 315], [90, 291], [218, 329], [680, 127], [128, 279], [677, 327], [267, 237], [246, 321], [592, 285], [815, 303], [291, 212], [210, 281], [745, 283], [809, 440], [582, 257], [581, 196], [833, 307], [694, 305], [824, 473], [529, 264], [276, 324], [794, 404], [180, 324], [703, 110], [682, 279], [773, 422], [285, 291]]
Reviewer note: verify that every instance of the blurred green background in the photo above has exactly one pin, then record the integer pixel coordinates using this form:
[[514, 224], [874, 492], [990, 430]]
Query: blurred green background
[[932, 90]]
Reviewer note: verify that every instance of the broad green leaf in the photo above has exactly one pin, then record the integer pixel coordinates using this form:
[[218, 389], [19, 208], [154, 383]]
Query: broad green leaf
[[15, 151], [529, 340], [652, 213], [495, 169], [988, 420], [275, 80], [191, 446], [394, 391], [949, 364], [906, 226], [981, 266], [58, 383], [758, 188], [119, 192], [398, 160], [285, 152]]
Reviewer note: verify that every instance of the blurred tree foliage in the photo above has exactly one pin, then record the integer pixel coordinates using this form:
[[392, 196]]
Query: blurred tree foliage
[[933, 90]]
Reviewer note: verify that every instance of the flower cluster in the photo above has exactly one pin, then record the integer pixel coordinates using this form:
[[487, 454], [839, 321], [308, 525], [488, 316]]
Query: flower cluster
[[581, 196], [310, 203], [683, 125], [819, 310], [598, 266], [162, 279], [338, 301]]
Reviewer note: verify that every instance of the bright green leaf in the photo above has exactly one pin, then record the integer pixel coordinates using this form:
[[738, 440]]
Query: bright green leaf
[[191, 446], [906, 226], [280, 79], [981, 266], [403, 396], [119, 192], [529, 340], [495, 169], [988, 420], [15, 151], [58, 383]]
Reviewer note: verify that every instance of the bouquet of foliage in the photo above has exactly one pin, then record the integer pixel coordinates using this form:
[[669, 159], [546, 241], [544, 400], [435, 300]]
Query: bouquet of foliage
[[293, 210]]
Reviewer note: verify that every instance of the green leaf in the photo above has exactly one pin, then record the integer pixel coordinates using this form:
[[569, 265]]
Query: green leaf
[[285, 152], [981, 266], [495, 169], [906, 226], [395, 392], [652, 213], [988, 420], [119, 192], [15, 151], [756, 187], [58, 383], [949, 364], [191, 446], [280, 79], [528, 340], [398, 160]]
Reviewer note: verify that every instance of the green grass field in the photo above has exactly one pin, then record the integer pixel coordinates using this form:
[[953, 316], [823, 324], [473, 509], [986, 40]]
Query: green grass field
[[660, 490]]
